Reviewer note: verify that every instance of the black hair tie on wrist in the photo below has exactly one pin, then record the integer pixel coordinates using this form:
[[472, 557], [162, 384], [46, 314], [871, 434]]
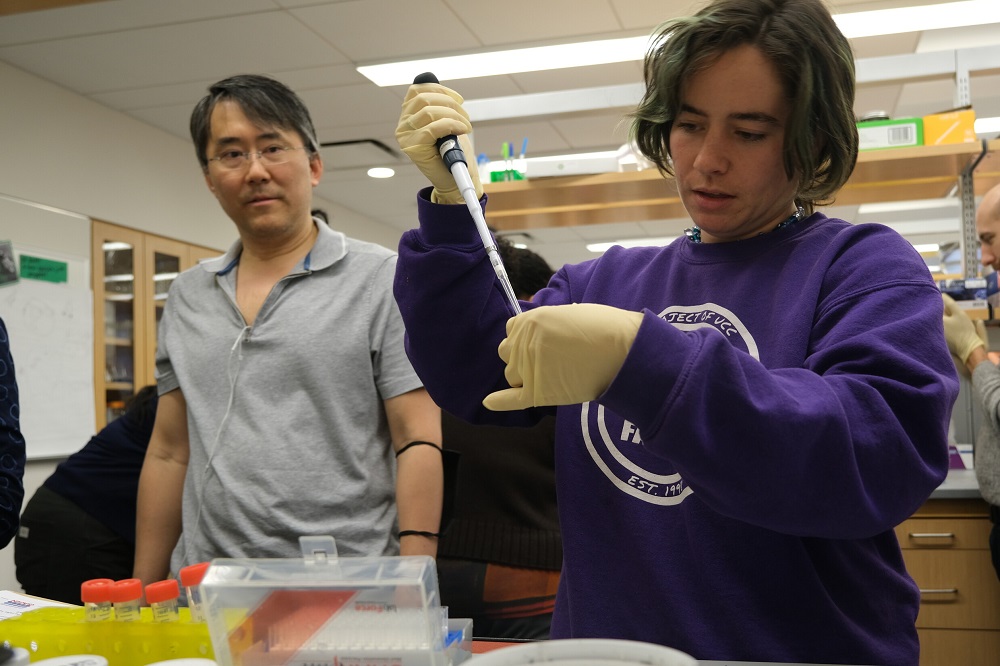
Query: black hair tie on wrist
[[403, 533], [417, 443]]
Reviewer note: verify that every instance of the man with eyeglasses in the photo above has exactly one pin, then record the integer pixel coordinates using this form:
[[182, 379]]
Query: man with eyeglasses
[[287, 405]]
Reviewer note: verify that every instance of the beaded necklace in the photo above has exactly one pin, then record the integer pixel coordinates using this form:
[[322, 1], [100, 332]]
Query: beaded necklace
[[694, 233]]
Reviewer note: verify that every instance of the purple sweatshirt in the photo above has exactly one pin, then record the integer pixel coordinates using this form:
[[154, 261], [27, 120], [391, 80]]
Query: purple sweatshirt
[[733, 493]]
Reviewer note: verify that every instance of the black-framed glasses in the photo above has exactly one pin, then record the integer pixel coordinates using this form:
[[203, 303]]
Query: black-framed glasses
[[231, 160]]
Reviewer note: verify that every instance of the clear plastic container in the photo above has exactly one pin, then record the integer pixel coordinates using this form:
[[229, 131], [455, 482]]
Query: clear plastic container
[[126, 595], [162, 597], [96, 597], [191, 580], [325, 609]]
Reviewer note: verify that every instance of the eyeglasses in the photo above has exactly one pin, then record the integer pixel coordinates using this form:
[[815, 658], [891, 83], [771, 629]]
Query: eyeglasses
[[232, 160]]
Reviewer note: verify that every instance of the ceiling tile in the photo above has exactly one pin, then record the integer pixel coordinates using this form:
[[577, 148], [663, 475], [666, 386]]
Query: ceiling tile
[[647, 14], [351, 105], [886, 45], [172, 119], [402, 27], [117, 15], [614, 74], [593, 131], [542, 137], [959, 38], [174, 54], [155, 96], [325, 76], [520, 21]]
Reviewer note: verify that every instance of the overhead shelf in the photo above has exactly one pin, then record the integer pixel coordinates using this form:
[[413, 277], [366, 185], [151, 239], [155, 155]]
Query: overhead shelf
[[898, 174]]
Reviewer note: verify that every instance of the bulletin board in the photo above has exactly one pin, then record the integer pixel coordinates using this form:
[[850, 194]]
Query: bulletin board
[[51, 330]]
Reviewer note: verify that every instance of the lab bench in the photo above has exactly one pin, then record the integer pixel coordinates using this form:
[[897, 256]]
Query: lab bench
[[946, 549]]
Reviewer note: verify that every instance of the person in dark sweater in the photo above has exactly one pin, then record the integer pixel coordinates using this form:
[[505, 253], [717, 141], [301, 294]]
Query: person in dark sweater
[[80, 524], [500, 557], [12, 449]]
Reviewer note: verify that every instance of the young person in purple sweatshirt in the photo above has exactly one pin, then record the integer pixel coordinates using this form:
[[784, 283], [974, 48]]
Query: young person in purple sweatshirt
[[743, 415]]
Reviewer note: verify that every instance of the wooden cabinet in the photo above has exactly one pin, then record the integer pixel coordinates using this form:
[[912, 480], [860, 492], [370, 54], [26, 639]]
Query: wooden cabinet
[[132, 272], [946, 550]]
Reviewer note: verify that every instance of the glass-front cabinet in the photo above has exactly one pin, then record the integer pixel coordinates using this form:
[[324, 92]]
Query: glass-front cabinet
[[132, 274]]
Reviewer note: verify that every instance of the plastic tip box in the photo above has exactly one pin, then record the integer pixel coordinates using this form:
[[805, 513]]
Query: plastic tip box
[[323, 609]]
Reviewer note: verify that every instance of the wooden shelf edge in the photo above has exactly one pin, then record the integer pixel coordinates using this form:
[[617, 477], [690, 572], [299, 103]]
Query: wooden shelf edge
[[892, 174]]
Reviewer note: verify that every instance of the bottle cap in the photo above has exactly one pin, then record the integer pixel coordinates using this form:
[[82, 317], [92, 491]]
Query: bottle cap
[[191, 575], [164, 590], [129, 589], [96, 590]]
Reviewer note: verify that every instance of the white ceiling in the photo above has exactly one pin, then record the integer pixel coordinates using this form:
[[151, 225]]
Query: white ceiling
[[153, 59]]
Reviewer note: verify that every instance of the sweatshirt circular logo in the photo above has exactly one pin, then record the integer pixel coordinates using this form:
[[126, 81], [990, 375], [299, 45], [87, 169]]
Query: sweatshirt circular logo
[[615, 444]]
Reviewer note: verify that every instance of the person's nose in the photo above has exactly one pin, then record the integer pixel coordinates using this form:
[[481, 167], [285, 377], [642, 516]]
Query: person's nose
[[256, 170], [711, 157]]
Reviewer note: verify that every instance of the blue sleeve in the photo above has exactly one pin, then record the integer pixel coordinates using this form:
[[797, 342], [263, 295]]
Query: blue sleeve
[[12, 452]]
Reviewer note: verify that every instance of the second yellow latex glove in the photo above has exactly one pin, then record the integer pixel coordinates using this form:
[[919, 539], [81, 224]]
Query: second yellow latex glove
[[431, 111], [962, 334], [563, 354]]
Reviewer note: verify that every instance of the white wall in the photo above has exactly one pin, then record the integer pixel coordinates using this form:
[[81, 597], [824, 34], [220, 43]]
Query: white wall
[[65, 151]]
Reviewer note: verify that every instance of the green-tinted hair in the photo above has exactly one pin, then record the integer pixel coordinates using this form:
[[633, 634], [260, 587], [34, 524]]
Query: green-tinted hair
[[816, 67]]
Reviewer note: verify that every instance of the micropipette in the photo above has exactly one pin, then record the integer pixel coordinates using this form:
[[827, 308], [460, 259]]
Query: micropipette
[[454, 158]]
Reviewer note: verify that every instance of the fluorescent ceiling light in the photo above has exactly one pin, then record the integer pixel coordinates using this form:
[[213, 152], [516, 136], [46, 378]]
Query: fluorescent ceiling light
[[917, 19], [906, 206], [927, 247], [533, 59], [988, 125], [381, 172], [632, 242], [561, 56]]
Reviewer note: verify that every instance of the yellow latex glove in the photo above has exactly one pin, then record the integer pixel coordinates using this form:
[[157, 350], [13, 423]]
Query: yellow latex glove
[[963, 335], [431, 111], [563, 354]]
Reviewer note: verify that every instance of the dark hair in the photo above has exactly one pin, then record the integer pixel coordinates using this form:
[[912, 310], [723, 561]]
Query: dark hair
[[142, 405], [265, 101], [813, 59], [321, 214], [528, 272]]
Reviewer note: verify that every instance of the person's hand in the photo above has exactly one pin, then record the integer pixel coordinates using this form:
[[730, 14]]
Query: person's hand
[[563, 354], [962, 334], [431, 111]]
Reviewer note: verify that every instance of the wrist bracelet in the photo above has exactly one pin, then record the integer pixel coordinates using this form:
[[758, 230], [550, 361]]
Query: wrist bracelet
[[417, 443], [403, 533]]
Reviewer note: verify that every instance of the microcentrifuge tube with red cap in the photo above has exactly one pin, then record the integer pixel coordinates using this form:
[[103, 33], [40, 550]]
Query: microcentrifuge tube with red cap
[[126, 595], [162, 598], [191, 578], [96, 597]]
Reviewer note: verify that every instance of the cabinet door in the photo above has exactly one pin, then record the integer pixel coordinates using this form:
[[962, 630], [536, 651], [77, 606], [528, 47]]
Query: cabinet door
[[165, 259], [119, 336]]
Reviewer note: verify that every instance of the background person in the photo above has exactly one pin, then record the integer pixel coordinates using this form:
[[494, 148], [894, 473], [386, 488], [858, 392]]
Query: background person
[[80, 523], [969, 346], [284, 387], [744, 415], [499, 560], [12, 451]]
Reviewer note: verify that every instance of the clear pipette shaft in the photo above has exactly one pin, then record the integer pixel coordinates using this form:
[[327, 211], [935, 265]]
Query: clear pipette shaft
[[464, 181]]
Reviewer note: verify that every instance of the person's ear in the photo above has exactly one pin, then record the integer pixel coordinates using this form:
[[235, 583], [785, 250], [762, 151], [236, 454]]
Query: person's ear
[[315, 168]]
